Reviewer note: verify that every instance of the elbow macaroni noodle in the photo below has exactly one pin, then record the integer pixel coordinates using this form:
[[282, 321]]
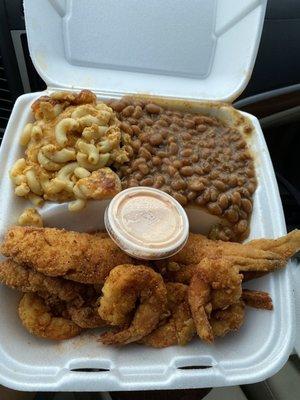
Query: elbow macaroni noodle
[[36, 133], [66, 142], [62, 128], [26, 134], [33, 182], [35, 200], [81, 172], [90, 150], [82, 159], [30, 217], [59, 156], [46, 163]]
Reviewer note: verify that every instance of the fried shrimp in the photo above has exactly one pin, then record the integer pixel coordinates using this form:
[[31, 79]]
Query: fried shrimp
[[224, 279], [40, 320], [86, 317], [179, 327], [216, 284], [231, 319], [199, 297], [125, 286]]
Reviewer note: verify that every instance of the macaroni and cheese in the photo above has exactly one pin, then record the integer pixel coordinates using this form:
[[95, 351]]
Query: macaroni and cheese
[[69, 149]]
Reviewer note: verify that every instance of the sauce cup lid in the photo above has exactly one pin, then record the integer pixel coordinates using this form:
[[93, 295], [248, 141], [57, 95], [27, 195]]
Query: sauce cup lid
[[147, 223]]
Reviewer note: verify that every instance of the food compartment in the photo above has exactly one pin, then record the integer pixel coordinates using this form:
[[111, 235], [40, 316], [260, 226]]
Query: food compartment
[[83, 363], [78, 150]]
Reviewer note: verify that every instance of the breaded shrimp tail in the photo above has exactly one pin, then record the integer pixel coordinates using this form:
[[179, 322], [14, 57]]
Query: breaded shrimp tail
[[81, 257]]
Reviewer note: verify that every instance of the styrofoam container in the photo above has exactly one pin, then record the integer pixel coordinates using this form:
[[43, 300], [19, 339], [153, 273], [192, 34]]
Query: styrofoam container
[[83, 45]]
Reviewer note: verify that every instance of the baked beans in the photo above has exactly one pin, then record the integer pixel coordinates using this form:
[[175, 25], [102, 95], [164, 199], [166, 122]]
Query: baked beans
[[194, 158]]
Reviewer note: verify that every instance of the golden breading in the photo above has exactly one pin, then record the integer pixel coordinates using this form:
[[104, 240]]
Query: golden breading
[[100, 185], [81, 257], [257, 299], [38, 319], [24, 279], [179, 327], [225, 321], [125, 285]]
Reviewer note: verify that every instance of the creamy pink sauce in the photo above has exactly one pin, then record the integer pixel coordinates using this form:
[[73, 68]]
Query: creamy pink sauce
[[148, 219]]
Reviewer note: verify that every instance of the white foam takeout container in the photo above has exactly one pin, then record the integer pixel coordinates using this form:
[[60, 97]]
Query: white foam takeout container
[[197, 51]]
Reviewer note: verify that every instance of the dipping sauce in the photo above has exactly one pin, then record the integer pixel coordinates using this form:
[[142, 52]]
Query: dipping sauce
[[147, 223]]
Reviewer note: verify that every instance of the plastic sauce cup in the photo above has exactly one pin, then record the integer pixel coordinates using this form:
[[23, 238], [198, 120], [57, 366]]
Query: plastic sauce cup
[[147, 223]]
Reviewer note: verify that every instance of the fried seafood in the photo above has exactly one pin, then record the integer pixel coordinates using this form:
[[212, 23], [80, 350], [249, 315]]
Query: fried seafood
[[77, 256], [258, 256], [89, 258], [285, 246], [84, 311], [257, 299], [199, 296], [125, 286], [224, 279], [178, 327], [182, 273], [245, 256], [86, 316], [149, 304], [81, 301], [231, 319], [41, 320], [216, 284], [24, 279]]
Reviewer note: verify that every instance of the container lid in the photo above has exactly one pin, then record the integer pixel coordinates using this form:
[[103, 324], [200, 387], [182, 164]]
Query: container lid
[[196, 49], [147, 223]]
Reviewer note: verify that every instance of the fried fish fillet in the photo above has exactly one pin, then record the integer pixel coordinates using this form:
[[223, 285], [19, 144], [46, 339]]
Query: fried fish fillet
[[258, 255], [89, 258], [81, 257], [79, 300], [27, 280], [285, 246], [246, 257]]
